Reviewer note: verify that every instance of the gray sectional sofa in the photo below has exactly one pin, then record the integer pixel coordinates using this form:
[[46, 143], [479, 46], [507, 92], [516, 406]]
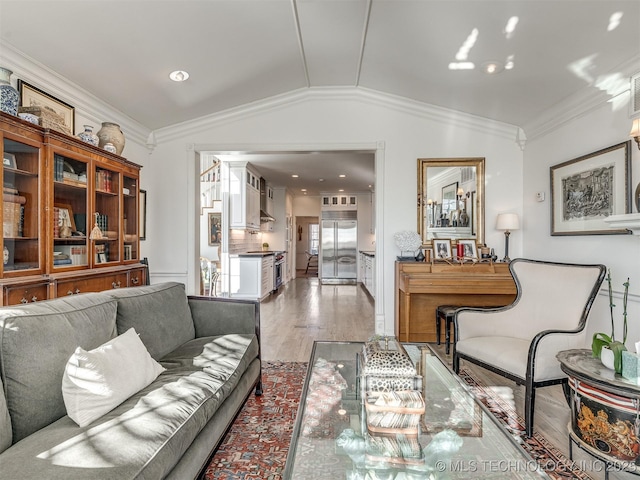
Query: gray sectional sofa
[[208, 346]]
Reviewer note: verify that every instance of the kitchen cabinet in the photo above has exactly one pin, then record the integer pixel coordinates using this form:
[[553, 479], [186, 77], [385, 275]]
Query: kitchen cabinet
[[251, 276], [367, 272], [244, 197], [55, 189]]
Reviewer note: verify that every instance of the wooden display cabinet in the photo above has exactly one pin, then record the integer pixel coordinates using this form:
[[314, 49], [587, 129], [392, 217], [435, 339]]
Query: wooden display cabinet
[[54, 186]]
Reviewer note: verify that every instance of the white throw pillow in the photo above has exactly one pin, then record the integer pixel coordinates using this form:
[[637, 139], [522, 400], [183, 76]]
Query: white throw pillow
[[97, 381]]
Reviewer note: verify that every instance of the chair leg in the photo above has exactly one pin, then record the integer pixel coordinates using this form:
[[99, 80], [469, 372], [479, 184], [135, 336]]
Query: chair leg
[[437, 327], [456, 362], [529, 404], [447, 334]]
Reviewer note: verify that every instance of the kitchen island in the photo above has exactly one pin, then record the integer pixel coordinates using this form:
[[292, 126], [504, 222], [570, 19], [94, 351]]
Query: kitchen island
[[255, 274]]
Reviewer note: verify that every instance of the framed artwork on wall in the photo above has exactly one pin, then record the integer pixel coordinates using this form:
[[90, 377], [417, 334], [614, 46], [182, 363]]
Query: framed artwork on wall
[[215, 228], [142, 215], [33, 97], [588, 189]]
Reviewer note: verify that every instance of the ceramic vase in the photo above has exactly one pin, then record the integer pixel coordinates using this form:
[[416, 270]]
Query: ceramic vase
[[111, 133], [88, 136], [8, 94], [607, 358]]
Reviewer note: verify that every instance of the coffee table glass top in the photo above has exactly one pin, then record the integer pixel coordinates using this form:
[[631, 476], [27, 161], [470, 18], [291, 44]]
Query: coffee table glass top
[[457, 437]]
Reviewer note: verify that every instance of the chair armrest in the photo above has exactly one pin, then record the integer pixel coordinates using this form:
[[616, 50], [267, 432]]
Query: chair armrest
[[220, 316], [484, 322]]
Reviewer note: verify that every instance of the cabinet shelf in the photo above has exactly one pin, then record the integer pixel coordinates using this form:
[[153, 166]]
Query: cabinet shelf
[[15, 171]]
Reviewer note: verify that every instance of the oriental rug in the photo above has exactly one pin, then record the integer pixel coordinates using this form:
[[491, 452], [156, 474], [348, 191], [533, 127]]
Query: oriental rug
[[257, 444]]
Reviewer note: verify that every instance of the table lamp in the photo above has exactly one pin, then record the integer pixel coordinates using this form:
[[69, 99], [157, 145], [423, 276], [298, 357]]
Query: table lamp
[[507, 222]]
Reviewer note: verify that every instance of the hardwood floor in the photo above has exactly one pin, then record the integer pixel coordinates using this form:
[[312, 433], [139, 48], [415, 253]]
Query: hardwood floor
[[304, 310]]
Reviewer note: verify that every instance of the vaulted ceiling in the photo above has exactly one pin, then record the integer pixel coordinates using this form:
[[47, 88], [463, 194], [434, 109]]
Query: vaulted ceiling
[[241, 51]]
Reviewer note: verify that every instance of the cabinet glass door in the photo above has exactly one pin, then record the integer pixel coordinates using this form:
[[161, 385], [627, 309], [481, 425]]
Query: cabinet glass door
[[70, 222], [107, 216], [20, 212], [130, 218]]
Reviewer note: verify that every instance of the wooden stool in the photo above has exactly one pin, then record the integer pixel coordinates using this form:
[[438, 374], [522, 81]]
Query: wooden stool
[[445, 312]]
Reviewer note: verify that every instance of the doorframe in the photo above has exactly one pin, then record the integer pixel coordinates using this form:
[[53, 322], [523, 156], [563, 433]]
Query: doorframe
[[193, 203]]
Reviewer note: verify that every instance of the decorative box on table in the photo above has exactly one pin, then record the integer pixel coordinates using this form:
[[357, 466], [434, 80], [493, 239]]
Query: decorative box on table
[[386, 367]]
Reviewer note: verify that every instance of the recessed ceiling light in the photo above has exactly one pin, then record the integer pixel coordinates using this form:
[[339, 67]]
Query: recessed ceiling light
[[321, 179], [342, 175], [341, 190], [492, 68], [294, 176], [303, 189], [179, 76]]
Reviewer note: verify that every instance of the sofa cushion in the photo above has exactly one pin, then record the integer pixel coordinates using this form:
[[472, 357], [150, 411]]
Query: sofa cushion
[[159, 313], [5, 422], [97, 381], [36, 340], [147, 434]]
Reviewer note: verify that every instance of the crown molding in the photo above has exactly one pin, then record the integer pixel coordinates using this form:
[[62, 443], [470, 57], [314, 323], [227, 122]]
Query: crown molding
[[358, 94], [85, 103], [581, 103]]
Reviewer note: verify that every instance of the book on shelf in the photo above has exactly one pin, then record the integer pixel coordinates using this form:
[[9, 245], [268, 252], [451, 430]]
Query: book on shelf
[[75, 254]]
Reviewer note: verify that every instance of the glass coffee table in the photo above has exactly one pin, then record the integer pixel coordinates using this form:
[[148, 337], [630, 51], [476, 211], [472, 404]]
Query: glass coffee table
[[457, 436]]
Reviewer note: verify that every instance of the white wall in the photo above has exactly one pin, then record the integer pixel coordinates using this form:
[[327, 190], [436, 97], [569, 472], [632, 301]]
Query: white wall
[[400, 129], [602, 127]]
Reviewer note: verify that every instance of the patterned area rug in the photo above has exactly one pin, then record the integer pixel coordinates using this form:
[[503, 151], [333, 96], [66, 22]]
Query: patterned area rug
[[256, 447]]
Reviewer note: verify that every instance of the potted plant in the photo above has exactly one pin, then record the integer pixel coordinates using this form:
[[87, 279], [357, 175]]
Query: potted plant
[[265, 246], [605, 345]]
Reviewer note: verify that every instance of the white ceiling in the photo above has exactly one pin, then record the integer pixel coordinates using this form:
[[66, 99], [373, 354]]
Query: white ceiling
[[239, 51]]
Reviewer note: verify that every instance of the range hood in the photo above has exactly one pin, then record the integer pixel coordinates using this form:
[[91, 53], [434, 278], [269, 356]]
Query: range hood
[[265, 216]]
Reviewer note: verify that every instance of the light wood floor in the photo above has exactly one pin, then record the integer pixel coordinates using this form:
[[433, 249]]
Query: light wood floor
[[304, 310]]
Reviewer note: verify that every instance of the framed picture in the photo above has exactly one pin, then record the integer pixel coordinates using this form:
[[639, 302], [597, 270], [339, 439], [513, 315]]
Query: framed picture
[[102, 257], [449, 199], [441, 248], [588, 189], [31, 96], [127, 252], [9, 160], [142, 215], [65, 217], [215, 228], [470, 248]]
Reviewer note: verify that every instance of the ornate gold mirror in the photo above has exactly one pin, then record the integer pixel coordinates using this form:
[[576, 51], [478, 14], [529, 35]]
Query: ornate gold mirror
[[451, 199]]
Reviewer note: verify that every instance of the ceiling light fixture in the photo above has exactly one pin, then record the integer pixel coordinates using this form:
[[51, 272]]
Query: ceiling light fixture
[[179, 76], [342, 175], [492, 68], [294, 176], [321, 179], [303, 189]]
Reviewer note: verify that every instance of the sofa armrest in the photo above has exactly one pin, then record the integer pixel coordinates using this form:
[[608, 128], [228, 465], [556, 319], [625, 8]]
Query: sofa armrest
[[220, 316]]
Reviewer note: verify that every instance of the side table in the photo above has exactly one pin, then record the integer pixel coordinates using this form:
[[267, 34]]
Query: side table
[[605, 412]]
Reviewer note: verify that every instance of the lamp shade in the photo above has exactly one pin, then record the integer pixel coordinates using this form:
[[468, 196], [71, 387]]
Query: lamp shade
[[508, 221], [635, 128]]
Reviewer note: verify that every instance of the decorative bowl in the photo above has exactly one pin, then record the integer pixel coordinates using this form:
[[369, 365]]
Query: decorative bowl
[[29, 117]]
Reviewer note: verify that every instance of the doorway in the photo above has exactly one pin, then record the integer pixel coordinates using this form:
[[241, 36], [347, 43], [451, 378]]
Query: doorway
[[383, 320], [307, 246]]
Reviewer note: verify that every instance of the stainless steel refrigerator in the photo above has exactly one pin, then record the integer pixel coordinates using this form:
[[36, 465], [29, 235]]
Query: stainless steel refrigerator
[[338, 250]]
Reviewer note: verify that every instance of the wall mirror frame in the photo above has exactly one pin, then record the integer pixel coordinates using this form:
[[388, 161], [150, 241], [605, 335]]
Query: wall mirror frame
[[435, 177]]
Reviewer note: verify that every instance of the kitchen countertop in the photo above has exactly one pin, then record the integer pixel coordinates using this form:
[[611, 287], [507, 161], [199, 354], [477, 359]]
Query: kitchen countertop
[[262, 253]]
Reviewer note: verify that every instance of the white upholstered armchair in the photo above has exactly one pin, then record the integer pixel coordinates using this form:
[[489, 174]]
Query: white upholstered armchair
[[520, 341]]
